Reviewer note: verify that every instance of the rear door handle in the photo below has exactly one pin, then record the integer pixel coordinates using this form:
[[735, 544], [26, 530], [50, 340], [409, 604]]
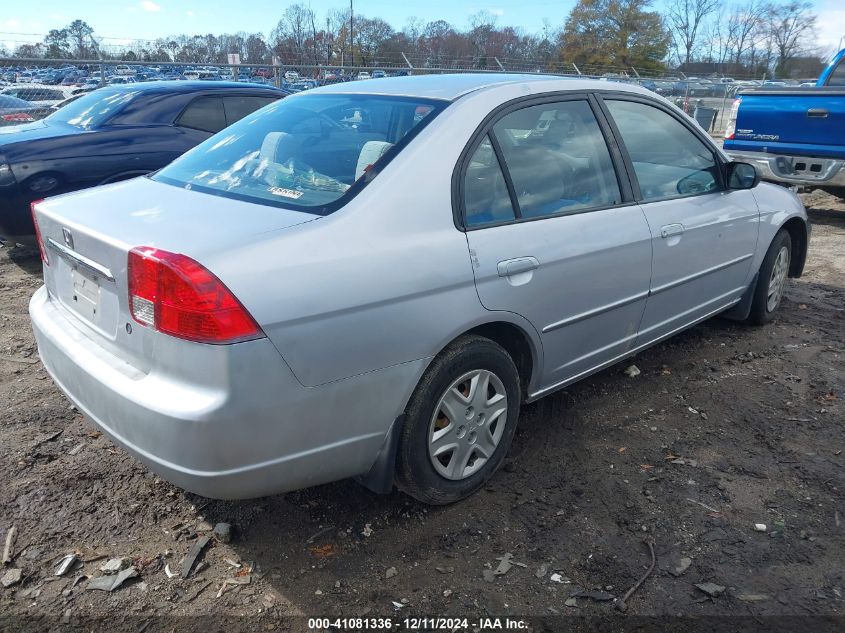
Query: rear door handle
[[517, 265], [671, 229], [817, 113]]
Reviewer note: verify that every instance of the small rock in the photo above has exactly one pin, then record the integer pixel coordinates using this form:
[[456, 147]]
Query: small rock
[[556, 577], [114, 565], [368, 530], [571, 602], [759, 527], [112, 581], [489, 575], [65, 564], [711, 589], [223, 532], [204, 526], [633, 371], [391, 572], [681, 567], [541, 571], [11, 577], [445, 570], [447, 593], [753, 597]]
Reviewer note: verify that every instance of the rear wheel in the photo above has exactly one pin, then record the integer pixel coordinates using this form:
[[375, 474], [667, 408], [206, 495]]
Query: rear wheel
[[771, 282], [459, 422]]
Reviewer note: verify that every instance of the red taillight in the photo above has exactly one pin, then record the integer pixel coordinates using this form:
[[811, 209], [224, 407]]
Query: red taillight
[[18, 117], [178, 296], [38, 239]]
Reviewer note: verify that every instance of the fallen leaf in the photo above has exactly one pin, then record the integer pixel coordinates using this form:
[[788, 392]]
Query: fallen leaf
[[623, 449], [646, 466], [323, 551]]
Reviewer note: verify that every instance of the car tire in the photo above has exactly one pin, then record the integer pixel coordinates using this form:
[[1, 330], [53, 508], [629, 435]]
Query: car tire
[[479, 427], [771, 282]]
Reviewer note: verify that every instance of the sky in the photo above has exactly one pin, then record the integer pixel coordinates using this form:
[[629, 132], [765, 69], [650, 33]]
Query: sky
[[124, 20]]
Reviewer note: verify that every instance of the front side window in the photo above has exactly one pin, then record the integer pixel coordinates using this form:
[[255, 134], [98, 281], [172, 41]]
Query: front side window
[[304, 152], [557, 159], [669, 160]]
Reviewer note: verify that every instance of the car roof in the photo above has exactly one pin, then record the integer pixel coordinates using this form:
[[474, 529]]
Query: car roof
[[183, 86], [453, 86]]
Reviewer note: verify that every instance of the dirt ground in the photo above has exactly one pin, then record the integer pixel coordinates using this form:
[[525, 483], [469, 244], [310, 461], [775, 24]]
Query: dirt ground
[[727, 426]]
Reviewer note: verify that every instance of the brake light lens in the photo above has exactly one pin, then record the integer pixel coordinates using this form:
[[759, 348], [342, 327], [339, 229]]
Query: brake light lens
[[176, 295], [730, 129], [17, 117], [38, 239]]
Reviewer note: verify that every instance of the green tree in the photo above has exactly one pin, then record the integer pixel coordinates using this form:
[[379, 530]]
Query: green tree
[[618, 33], [80, 34], [57, 45]]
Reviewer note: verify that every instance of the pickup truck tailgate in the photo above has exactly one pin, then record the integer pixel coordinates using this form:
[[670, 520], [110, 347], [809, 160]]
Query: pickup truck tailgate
[[810, 121]]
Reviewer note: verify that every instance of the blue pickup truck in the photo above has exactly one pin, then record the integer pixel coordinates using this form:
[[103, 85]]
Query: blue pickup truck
[[794, 136]]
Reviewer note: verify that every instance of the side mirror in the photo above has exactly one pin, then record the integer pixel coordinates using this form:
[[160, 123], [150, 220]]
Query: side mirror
[[742, 175]]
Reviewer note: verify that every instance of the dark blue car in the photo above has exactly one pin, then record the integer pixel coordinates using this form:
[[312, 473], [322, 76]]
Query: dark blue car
[[112, 134]]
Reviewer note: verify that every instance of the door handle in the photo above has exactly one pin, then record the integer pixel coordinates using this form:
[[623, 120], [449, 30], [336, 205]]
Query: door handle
[[817, 113], [671, 229], [517, 265]]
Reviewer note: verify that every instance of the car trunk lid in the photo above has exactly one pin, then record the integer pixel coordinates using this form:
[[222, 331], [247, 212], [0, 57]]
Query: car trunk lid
[[88, 235]]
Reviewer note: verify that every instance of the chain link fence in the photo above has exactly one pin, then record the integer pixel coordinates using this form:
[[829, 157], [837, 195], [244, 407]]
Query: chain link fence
[[31, 89]]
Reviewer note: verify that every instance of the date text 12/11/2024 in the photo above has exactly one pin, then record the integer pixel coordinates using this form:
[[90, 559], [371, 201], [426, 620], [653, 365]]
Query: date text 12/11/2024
[[417, 624]]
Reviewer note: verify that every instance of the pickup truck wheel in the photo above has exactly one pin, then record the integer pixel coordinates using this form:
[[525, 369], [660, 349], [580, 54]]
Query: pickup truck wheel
[[459, 422], [771, 282]]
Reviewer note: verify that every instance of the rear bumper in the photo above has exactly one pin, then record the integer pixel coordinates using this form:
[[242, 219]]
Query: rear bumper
[[241, 427], [795, 170]]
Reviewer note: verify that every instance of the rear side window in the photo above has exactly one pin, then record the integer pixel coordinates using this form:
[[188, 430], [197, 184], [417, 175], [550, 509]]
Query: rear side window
[[237, 108], [557, 159], [837, 77], [486, 198], [205, 113], [669, 159]]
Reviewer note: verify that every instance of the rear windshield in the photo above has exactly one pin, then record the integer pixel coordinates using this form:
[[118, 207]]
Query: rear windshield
[[93, 109], [307, 152]]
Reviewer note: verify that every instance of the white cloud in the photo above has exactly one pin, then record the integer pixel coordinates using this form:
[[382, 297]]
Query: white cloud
[[831, 28], [190, 14], [498, 12], [149, 5]]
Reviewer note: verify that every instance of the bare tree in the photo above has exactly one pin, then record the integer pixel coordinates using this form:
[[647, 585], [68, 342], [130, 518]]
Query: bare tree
[[744, 25], [685, 19], [789, 27]]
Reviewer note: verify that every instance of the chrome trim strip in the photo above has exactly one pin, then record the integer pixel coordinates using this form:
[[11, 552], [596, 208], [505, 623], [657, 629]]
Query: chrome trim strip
[[568, 381], [80, 260], [701, 273], [595, 312]]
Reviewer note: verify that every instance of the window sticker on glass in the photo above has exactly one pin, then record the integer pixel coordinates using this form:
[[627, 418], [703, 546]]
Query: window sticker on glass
[[287, 193]]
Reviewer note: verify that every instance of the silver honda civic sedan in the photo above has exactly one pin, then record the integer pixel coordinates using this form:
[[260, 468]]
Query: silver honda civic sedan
[[369, 279]]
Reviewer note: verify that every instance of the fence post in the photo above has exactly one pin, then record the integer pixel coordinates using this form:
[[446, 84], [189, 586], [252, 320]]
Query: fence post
[[499, 63], [635, 72], [410, 65], [576, 68]]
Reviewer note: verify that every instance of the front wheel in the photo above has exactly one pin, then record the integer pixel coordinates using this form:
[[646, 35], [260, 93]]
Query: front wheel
[[459, 422], [771, 282]]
